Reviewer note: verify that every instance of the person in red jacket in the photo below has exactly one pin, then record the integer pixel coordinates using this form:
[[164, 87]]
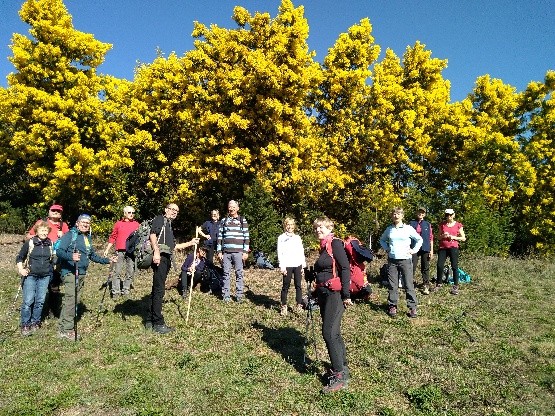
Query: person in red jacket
[[121, 231]]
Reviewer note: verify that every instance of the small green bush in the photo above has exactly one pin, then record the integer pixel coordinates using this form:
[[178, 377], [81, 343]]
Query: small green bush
[[11, 219]]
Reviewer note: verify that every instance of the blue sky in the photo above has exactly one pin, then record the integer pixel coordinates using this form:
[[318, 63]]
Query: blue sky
[[512, 40]]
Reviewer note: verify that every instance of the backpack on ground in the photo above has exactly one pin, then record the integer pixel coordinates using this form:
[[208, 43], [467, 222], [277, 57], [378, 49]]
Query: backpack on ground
[[137, 245], [464, 277]]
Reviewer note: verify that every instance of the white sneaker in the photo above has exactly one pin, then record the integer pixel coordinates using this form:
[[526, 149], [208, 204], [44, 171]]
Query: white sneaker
[[283, 310]]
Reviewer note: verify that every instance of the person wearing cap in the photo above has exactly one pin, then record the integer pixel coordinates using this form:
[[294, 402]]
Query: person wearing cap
[[426, 252], [122, 229], [54, 220], [57, 229], [75, 253], [400, 241], [450, 234]]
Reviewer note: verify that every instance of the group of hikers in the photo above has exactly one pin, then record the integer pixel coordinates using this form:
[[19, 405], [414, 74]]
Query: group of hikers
[[53, 254]]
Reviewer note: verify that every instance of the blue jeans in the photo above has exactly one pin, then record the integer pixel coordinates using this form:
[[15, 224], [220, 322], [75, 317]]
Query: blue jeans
[[34, 293], [235, 259]]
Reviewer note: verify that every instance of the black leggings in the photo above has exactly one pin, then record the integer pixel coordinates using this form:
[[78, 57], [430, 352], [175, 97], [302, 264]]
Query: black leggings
[[453, 254], [296, 272], [331, 309]]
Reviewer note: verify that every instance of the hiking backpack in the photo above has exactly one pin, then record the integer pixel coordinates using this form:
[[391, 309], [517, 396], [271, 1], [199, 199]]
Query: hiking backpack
[[137, 245], [356, 266]]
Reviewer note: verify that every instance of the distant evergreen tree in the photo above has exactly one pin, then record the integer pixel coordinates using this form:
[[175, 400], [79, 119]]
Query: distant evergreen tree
[[264, 221]]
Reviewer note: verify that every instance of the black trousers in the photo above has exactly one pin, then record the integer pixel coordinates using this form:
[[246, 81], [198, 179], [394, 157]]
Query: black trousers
[[331, 309], [296, 273], [160, 273]]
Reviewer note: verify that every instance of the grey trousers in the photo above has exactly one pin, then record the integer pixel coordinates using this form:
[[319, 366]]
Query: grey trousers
[[405, 267]]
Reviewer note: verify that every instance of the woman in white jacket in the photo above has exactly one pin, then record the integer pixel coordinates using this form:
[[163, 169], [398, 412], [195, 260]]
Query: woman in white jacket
[[291, 263]]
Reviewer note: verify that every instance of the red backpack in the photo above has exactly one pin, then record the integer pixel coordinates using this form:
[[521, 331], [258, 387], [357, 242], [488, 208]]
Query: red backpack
[[357, 255]]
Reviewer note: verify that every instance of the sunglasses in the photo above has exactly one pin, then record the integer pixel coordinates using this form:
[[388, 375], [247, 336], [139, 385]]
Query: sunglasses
[[55, 210], [130, 212]]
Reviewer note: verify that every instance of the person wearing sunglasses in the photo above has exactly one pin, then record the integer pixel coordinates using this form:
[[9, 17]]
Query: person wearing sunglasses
[[450, 234], [122, 229]]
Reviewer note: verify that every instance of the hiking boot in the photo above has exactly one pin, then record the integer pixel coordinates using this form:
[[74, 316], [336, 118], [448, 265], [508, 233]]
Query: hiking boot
[[283, 311], [426, 290], [299, 308], [162, 329], [437, 287], [34, 327], [67, 335], [26, 331], [227, 299], [455, 290], [346, 374], [148, 325], [336, 382], [392, 312], [115, 295], [412, 313]]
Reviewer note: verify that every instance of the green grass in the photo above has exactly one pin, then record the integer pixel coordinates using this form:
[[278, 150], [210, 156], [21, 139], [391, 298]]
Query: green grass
[[489, 351]]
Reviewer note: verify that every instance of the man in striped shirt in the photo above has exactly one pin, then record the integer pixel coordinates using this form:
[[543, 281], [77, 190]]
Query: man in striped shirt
[[233, 249]]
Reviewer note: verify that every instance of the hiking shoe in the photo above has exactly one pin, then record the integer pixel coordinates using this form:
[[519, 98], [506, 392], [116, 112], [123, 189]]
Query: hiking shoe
[[437, 287], [455, 290], [412, 313], [35, 326], [283, 311], [162, 329], [67, 335], [299, 308], [115, 295], [336, 382], [239, 299], [227, 299], [346, 374], [426, 290], [392, 312], [26, 331], [148, 325]]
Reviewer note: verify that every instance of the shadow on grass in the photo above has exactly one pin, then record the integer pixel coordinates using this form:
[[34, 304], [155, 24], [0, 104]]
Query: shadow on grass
[[262, 300], [290, 344], [132, 307]]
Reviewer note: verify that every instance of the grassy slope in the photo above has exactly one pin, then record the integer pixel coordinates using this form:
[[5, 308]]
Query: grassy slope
[[488, 351]]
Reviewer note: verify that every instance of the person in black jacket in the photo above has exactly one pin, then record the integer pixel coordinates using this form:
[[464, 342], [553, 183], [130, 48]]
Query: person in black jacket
[[426, 252], [34, 264], [332, 289], [163, 245]]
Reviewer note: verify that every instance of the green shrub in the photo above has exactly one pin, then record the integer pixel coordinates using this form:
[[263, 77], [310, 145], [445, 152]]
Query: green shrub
[[11, 219], [263, 219]]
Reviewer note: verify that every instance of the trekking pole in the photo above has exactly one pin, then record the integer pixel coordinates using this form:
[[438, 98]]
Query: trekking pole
[[76, 290], [192, 279], [105, 286], [309, 325]]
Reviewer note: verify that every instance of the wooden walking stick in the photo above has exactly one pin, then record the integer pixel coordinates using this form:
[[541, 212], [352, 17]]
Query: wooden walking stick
[[192, 279]]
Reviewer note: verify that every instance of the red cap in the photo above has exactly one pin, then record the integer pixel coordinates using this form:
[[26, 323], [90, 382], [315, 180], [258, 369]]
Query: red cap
[[57, 207]]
